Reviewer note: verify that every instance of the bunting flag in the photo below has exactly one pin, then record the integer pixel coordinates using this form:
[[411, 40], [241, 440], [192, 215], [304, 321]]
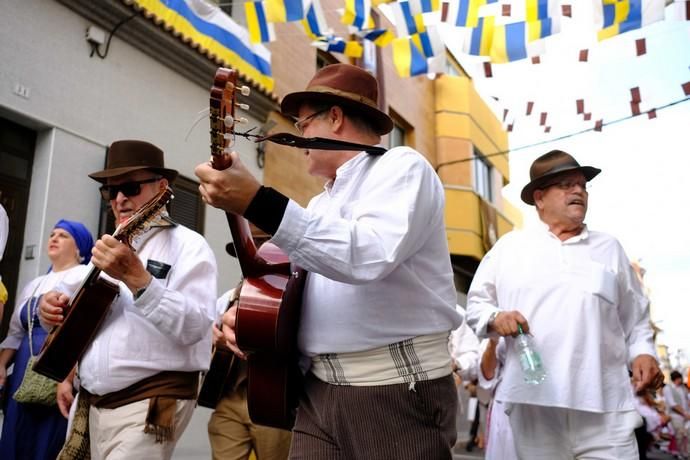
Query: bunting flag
[[357, 14], [278, 11], [215, 34], [351, 48], [461, 13], [380, 37], [407, 58], [406, 23], [260, 30], [424, 6], [314, 23], [477, 41], [679, 10], [429, 42], [620, 16], [528, 10], [519, 40]]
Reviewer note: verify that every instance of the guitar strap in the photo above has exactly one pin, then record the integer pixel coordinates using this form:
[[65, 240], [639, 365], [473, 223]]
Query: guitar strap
[[320, 143]]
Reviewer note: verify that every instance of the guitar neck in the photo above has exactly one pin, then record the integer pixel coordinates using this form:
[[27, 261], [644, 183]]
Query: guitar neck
[[251, 263]]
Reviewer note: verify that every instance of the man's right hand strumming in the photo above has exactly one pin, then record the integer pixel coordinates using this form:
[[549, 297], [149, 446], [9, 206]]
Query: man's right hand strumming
[[52, 308], [229, 332]]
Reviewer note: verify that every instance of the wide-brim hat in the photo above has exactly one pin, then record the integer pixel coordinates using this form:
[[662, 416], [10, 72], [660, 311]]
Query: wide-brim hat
[[547, 167], [346, 85], [127, 155]]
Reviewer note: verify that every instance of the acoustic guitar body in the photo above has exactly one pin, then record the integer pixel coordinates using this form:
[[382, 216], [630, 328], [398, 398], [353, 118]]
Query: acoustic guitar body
[[266, 328], [66, 344]]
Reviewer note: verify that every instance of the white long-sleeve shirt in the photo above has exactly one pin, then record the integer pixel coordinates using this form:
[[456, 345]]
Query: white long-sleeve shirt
[[168, 327], [375, 246], [586, 312], [464, 349]]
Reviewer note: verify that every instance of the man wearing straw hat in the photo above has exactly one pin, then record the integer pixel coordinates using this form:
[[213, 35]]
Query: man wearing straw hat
[[379, 301], [140, 375], [575, 291]]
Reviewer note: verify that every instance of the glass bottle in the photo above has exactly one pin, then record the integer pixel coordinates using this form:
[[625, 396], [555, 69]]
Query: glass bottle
[[530, 360]]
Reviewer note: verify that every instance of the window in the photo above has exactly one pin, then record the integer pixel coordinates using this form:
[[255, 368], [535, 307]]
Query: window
[[402, 133], [482, 176], [187, 208], [397, 136]]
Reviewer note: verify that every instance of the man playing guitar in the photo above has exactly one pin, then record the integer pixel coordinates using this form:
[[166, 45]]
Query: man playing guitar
[[140, 375], [379, 300]]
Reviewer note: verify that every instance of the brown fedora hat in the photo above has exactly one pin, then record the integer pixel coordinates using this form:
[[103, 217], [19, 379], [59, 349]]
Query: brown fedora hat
[[127, 156], [346, 85], [550, 165]]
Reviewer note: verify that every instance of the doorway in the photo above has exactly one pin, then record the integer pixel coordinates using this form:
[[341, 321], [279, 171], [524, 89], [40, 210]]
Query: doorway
[[17, 144]]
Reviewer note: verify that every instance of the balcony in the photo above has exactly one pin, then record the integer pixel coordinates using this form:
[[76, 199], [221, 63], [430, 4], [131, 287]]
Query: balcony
[[472, 224]]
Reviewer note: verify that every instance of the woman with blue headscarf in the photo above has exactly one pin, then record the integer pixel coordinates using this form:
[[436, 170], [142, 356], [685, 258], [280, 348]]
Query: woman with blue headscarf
[[34, 431]]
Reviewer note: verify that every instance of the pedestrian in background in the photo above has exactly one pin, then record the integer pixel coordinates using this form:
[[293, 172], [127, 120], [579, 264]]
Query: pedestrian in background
[[35, 431]]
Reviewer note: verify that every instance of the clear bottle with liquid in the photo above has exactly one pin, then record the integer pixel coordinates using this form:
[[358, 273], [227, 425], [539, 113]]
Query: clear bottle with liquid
[[530, 360]]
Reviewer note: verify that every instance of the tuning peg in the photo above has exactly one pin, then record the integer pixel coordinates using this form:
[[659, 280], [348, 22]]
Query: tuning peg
[[244, 90], [229, 121], [242, 106], [242, 121]]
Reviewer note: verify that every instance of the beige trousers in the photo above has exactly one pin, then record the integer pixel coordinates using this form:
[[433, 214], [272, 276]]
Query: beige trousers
[[233, 435], [119, 433]]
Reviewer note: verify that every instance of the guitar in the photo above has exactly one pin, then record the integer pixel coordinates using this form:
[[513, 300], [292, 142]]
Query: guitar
[[271, 294], [223, 363], [67, 342]]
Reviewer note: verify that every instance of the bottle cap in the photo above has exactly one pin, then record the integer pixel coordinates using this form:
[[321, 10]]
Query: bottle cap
[[520, 329]]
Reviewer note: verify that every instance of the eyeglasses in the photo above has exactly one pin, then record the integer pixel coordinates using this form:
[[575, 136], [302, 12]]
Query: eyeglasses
[[300, 124], [567, 184], [128, 189]]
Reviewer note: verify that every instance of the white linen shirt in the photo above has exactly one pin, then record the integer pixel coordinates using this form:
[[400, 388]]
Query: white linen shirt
[[168, 328], [586, 312], [375, 246], [464, 349], [69, 279]]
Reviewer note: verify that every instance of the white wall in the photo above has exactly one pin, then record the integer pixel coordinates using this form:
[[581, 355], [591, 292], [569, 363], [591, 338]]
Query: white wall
[[79, 104]]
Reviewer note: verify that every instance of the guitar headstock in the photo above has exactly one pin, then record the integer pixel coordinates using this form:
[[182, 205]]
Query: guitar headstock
[[141, 220], [222, 107]]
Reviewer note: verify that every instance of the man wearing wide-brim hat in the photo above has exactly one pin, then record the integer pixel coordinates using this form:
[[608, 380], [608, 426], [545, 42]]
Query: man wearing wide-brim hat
[[139, 377], [574, 291], [379, 301]]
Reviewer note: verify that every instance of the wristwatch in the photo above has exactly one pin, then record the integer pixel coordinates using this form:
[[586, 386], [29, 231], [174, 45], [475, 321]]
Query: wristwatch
[[141, 290], [490, 323]]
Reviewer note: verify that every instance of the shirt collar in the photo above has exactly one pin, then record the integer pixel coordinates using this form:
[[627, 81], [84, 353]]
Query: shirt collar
[[346, 170], [542, 227]]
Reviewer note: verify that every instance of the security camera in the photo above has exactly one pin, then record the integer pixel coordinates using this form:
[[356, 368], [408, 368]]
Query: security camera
[[95, 35]]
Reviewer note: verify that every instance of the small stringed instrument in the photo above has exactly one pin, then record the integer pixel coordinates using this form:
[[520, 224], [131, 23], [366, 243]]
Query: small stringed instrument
[[67, 342], [271, 293]]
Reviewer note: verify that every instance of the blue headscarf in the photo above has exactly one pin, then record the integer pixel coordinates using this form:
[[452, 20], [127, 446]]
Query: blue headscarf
[[81, 236]]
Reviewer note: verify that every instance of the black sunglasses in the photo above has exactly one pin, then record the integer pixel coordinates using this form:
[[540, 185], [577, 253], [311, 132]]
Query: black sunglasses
[[128, 189]]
